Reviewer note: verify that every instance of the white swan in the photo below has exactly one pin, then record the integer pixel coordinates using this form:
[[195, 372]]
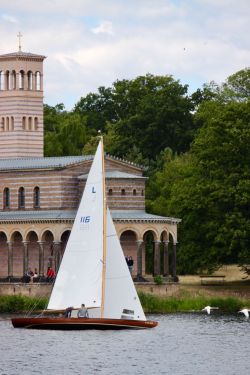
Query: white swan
[[209, 308], [245, 312]]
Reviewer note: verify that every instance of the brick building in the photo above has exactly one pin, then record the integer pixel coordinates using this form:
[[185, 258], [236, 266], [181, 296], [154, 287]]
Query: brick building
[[39, 195]]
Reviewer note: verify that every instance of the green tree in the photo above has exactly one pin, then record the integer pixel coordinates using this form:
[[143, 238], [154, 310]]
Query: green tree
[[209, 189], [235, 89], [148, 114], [97, 108], [65, 132]]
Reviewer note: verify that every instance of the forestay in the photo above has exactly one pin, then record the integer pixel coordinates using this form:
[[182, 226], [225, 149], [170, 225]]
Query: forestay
[[79, 279]]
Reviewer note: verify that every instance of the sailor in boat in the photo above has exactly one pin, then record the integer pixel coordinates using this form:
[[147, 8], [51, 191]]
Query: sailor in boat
[[83, 312], [68, 311]]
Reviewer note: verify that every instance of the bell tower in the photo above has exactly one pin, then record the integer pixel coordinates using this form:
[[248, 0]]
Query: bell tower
[[21, 105]]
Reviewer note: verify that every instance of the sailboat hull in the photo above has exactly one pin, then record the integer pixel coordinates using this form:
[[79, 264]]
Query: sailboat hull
[[81, 323]]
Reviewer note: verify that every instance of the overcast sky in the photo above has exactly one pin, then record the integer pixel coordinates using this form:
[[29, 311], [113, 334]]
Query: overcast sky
[[92, 43]]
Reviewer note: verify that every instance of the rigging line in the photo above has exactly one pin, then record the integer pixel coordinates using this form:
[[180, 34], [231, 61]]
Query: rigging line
[[32, 305], [104, 230], [39, 299]]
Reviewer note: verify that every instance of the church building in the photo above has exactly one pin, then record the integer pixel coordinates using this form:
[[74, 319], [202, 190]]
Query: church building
[[39, 195]]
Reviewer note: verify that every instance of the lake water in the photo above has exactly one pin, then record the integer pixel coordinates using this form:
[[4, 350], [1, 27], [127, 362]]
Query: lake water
[[182, 344]]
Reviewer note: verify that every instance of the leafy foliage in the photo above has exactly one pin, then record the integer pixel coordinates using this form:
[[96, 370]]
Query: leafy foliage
[[209, 189], [144, 115], [196, 149], [65, 132]]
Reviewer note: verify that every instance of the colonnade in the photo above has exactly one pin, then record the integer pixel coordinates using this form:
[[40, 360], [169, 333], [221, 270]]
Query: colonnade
[[53, 260], [12, 80], [157, 259]]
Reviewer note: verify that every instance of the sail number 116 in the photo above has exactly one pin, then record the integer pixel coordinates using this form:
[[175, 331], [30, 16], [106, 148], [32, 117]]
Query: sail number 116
[[85, 219]]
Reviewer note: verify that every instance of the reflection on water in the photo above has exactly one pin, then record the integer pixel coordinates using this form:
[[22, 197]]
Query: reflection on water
[[182, 344]]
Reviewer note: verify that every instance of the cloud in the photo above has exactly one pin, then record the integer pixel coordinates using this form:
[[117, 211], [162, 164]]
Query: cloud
[[105, 27], [90, 43], [8, 18]]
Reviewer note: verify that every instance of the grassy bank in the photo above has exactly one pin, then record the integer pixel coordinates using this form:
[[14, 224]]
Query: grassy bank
[[151, 303], [13, 304], [156, 304]]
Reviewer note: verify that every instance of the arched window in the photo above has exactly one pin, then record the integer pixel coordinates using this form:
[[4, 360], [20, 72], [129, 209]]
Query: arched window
[[134, 192], [123, 192], [7, 80], [7, 124], [21, 80], [24, 122], [12, 123], [21, 197], [36, 197], [6, 198], [142, 192], [30, 80], [30, 123], [36, 123], [2, 124], [38, 81], [110, 192]]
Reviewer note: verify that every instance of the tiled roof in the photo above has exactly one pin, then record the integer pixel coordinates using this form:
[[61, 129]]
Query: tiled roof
[[116, 174], [130, 215], [52, 162], [22, 54], [38, 163], [64, 215]]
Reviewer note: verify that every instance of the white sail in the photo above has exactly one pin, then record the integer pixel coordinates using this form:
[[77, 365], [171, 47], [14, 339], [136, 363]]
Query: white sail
[[121, 299], [79, 279]]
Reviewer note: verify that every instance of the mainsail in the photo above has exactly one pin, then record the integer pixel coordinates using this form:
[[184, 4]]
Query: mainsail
[[91, 271], [79, 279]]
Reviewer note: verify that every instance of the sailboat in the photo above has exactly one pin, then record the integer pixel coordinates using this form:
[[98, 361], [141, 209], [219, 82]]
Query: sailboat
[[93, 270]]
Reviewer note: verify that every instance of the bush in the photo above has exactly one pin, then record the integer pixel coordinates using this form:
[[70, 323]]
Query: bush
[[158, 280], [14, 304], [185, 303]]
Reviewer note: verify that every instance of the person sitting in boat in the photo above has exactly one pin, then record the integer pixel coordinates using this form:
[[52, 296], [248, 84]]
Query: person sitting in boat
[[83, 312], [68, 311], [50, 274]]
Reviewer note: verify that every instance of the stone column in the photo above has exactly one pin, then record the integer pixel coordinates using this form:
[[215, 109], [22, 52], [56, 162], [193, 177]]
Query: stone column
[[57, 254], [41, 258], [25, 82], [157, 258], [175, 278], [10, 259], [25, 257], [33, 123], [139, 259], [6, 82], [33, 81], [165, 258]]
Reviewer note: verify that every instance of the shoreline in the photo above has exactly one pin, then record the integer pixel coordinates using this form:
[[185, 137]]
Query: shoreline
[[152, 303]]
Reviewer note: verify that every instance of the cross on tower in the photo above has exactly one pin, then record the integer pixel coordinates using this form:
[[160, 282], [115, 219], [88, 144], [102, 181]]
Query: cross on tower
[[19, 35]]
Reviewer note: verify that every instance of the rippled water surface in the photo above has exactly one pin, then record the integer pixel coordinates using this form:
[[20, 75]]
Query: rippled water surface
[[182, 344]]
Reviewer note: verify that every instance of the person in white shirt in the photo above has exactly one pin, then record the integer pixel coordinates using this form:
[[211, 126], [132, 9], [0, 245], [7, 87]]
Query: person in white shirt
[[83, 312]]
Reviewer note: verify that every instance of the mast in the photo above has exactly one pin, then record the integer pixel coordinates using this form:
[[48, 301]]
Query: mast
[[104, 231]]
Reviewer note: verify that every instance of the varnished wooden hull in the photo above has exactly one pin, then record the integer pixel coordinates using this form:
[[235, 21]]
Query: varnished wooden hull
[[81, 323]]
